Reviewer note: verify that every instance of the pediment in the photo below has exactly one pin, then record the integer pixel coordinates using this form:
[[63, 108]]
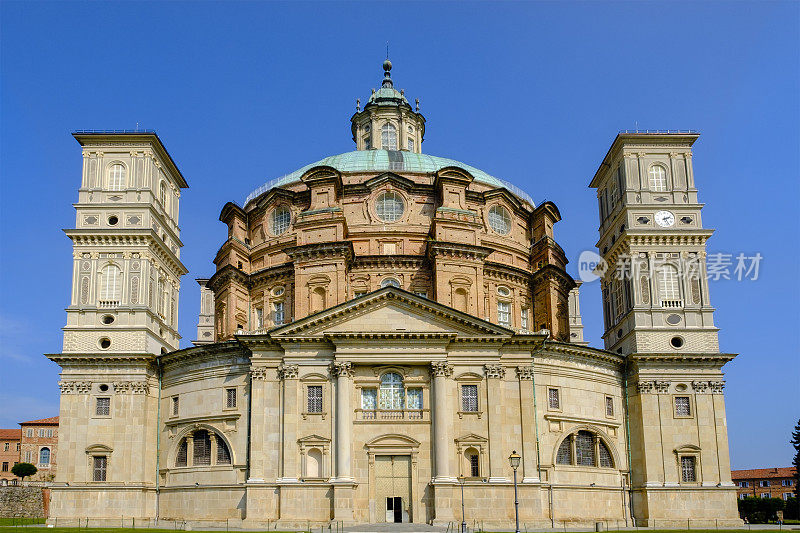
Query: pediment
[[472, 438], [391, 311], [389, 177], [393, 440], [313, 439]]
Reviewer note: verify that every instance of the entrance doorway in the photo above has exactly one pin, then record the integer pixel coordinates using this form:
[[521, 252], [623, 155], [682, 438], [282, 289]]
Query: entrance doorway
[[393, 487]]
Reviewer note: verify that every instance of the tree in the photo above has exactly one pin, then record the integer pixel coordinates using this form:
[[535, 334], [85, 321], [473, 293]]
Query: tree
[[796, 463], [23, 470]]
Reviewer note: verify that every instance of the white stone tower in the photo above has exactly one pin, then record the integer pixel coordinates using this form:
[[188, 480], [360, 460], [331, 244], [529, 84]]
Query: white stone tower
[[657, 312], [122, 314]]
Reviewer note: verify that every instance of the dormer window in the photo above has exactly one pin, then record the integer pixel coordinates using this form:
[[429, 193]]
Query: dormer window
[[388, 137]]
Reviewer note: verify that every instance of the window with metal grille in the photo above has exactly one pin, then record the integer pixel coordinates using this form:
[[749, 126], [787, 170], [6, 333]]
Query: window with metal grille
[[688, 474], [658, 178], [469, 398], [605, 456], [388, 137], [315, 398], [504, 313], [584, 449], [223, 453], [564, 455], [500, 219], [553, 400], [281, 218], [175, 405], [202, 448], [609, 406], [682, 406], [230, 398], [389, 206], [103, 407], [99, 466], [474, 464], [116, 177], [183, 453]]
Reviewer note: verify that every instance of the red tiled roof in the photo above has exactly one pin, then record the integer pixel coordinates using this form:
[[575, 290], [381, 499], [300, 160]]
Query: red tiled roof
[[53, 420], [763, 473], [11, 434]]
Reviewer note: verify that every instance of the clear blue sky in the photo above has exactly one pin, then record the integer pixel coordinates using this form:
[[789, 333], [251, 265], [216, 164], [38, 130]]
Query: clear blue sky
[[530, 92]]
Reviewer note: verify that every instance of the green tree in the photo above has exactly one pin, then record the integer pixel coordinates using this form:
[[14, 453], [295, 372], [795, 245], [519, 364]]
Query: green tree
[[23, 470], [796, 463]]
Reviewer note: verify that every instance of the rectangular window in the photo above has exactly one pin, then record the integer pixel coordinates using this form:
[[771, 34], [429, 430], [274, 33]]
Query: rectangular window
[[688, 474], [315, 398], [5, 466], [176, 405], [766, 495], [616, 295], [230, 398], [100, 464], [369, 399], [49, 433], [28, 457], [103, 407], [504, 313], [742, 496], [411, 145], [787, 495], [764, 483], [6, 446], [474, 465], [682, 406], [523, 319], [277, 313], [609, 406], [414, 398], [259, 317], [469, 398], [745, 484], [553, 399], [18, 446], [29, 432], [41, 432]]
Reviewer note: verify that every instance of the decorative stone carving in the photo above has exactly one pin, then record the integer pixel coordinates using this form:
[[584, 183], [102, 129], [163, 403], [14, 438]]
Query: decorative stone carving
[[700, 387], [83, 387], [288, 371], [441, 369], [139, 387], [258, 372], [122, 387], [662, 387], [525, 373], [494, 371], [644, 387], [67, 387], [342, 368], [716, 386]]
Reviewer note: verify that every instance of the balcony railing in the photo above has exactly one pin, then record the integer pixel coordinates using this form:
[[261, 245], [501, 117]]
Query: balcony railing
[[393, 414], [672, 304], [107, 304]]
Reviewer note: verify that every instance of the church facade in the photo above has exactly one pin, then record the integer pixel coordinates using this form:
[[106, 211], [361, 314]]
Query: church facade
[[383, 331]]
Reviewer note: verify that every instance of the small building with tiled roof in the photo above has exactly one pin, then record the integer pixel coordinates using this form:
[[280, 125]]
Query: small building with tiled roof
[[777, 482], [38, 446], [9, 454]]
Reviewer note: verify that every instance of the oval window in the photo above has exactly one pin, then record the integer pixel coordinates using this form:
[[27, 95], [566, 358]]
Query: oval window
[[281, 218], [500, 219], [389, 206], [503, 291]]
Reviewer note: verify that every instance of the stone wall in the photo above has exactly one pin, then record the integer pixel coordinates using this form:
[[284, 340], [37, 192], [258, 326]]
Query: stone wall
[[26, 502]]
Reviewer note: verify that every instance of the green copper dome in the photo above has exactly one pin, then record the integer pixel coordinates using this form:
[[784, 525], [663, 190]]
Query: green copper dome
[[384, 160]]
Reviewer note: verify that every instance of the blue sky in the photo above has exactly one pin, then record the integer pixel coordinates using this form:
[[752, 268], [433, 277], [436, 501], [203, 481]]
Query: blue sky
[[530, 92]]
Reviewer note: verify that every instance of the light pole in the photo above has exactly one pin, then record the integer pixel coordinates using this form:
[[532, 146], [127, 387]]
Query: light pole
[[463, 519], [514, 460]]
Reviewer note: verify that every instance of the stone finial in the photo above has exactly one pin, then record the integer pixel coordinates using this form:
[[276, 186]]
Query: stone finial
[[358, 105], [525, 373], [342, 369], [288, 371], [494, 371], [441, 369]]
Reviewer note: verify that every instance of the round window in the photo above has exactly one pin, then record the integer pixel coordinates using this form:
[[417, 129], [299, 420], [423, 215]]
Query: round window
[[389, 206], [390, 282], [108, 319], [676, 342], [113, 220], [105, 343], [281, 218], [103, 387], [500, 219], [278, 291]]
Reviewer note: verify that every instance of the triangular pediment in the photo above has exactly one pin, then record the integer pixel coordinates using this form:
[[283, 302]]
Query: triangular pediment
[[391, 311]]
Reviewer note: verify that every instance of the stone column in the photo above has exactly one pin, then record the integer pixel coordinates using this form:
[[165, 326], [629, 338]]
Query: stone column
[[530, 468], [344, 484], [498, 457], [442, 415], [289, 416]]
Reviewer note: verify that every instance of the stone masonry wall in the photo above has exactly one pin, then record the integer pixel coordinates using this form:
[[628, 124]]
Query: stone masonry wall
[[25, 502]]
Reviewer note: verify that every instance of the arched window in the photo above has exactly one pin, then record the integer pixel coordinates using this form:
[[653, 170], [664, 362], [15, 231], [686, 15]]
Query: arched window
[[388, 137], [44, 456], [564, 455], [110, 283], [500, 219], [391, 391], [314, 463], [223, 453], [202, 450], [183, 453], [584, 449], [667, 280], [317, 299], [658, 178], [473, 462], [390, 282], [281, 218], [389, 206], [116, 177], [605, 456]]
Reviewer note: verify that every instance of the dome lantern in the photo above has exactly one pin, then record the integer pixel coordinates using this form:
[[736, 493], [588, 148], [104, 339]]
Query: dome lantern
[[388, 121]]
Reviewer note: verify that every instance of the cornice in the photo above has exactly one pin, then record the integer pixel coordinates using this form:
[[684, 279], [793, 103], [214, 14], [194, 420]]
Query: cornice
[[128, 237], [387, 261], [657, 360], [137, 358], [261, 277], [307, 252], [502, 271], [585, 352], [225, 274], [552, 272], [196, 352], [459, 250]]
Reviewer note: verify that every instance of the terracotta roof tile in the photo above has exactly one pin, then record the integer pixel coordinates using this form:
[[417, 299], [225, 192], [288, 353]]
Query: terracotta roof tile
[[763, 473], [53, 420], [10, 434]]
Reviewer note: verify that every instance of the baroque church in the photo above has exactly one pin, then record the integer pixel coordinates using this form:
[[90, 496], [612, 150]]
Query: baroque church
[[384, 331]]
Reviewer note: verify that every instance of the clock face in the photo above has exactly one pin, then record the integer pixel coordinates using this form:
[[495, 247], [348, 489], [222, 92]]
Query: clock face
[[665, 219]]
